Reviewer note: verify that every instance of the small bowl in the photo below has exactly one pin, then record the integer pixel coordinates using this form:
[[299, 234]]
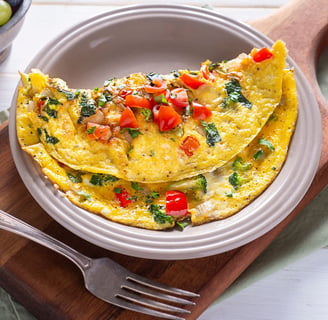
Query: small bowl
[[9, 31]]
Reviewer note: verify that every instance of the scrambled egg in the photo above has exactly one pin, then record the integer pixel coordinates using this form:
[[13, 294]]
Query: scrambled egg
[[242, 142]]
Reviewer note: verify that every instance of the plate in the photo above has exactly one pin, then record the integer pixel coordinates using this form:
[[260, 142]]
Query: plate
[[162, 38]]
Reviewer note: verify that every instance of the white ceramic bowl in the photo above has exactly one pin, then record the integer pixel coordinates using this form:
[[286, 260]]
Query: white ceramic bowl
[[162, 38]]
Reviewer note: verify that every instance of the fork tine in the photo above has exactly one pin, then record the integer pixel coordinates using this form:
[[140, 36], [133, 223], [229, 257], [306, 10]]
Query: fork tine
[[121, 302], [151, 303], [155, 285], [150, 292]]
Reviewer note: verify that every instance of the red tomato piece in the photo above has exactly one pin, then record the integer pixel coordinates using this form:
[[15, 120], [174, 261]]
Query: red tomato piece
[[128, 119], [179, 97], [167, 118], [155, 112], [262, 54], [200, 112], [159, 85], [189, 145], [40, 104], [176, 203], [124, 93], [123, 197], [98, 132], [135, 101], [190, 81]]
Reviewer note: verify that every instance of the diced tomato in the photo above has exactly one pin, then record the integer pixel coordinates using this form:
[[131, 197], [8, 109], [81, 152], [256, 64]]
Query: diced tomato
[[167, 118], [155, 112], [206, 73], [189, 145], [179, 97], [128, 119], [159, 85], [122, 196], [262, 54], [97, 131], [176, 203], [124, 93], [200, 112], [190, 81], [40, 104], [135, 101]]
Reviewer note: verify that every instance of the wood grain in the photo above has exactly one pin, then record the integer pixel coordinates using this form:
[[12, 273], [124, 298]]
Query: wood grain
[[51, 287]]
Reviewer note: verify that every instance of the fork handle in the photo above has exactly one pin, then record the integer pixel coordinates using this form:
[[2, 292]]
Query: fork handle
[[13, 224]]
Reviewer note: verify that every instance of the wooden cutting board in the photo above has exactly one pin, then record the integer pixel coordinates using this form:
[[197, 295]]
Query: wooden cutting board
[[51, 287]]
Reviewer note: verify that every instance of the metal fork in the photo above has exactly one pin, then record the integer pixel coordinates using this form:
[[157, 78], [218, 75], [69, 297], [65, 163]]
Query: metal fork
[[108, 280]]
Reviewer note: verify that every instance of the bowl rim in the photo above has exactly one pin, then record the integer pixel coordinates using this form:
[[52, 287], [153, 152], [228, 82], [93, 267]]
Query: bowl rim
[[17, 16]]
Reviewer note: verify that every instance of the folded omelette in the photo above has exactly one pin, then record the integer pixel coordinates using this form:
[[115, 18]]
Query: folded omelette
[[156, 128], [155, 151]]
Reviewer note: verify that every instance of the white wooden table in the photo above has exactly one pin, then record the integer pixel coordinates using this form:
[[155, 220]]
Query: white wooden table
[[296, 292]]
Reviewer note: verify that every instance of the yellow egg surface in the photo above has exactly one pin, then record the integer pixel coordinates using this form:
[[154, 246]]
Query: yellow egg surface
[[211, 196], [152, 128]]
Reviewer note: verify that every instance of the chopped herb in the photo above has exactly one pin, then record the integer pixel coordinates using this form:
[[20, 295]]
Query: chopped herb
[[159, 215], [88, 107], [235, 95], [44, 118], [183, 223], [134, 132], [52, 113], [152, 196], [69, 95], [118, 190], [146, 113], [54, 102], [102, 100], [267, 143], [240, 165], [107, 82], [91, 130], [39, 131], [50, 139], [136, 186], [258, 154], [213, 66], [212, 134], [161, 99], [132, 198], [152, 153], [96, 89], [74, 178], [229, 194], [99, 179], [130, 149], [274, 168]]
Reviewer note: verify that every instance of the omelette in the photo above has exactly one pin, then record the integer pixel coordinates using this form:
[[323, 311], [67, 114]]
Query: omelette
[[152, 128], [198, 199]]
